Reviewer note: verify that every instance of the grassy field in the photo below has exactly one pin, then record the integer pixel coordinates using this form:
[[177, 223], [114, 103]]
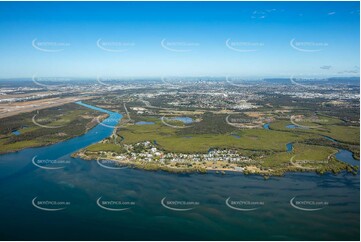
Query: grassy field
[[341, 133], [319, 159], [184, 141], [300, 152]]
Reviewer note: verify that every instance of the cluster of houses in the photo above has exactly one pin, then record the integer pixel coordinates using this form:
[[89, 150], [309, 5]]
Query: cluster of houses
[[148, 152]]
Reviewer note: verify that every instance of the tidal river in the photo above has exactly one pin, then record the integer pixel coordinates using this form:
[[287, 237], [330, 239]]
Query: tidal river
[[81, 200]]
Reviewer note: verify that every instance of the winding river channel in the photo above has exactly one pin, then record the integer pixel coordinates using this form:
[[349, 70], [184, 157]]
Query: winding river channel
[[81, 200]]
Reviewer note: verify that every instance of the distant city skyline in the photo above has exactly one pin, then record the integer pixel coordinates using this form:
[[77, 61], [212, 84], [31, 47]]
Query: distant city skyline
[[154, 39]]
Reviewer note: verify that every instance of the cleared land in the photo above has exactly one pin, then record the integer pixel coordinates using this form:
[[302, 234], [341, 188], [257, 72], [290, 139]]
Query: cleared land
[[11, 109]]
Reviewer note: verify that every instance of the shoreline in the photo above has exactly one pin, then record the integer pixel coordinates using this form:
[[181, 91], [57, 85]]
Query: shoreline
[[204, 170], [87, 129]]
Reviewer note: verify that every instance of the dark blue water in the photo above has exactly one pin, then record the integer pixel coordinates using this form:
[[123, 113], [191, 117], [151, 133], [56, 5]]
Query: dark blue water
[[81, 183], [13, 162], [346, 156]]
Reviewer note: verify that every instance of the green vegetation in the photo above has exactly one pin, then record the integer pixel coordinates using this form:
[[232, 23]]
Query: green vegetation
[[185, 141], [211, 124], [259, 151], [341, 133], [63, 123]]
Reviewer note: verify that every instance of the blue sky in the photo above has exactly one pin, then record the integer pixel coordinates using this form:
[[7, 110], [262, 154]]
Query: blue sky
[[250, 39]]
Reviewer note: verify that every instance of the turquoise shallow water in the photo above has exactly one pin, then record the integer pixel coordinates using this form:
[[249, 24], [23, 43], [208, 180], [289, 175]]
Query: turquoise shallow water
[[16, 132], [292, 126], [186, 120], [289, 147], [81, 183]]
